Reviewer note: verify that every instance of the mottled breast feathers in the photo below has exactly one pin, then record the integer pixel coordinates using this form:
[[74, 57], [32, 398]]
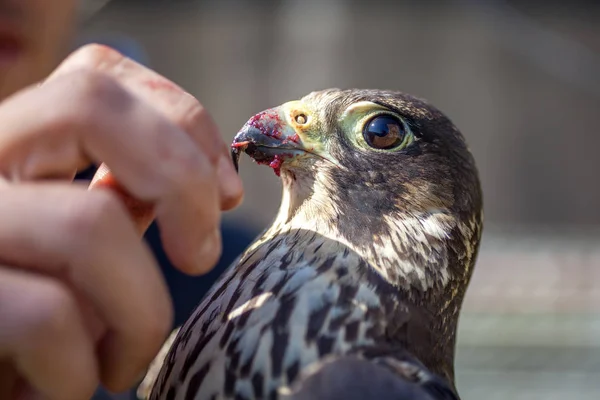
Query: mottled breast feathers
[[275, 314]]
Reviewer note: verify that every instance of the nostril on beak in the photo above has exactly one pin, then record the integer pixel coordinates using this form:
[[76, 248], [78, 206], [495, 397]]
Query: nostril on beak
[[301, 119]]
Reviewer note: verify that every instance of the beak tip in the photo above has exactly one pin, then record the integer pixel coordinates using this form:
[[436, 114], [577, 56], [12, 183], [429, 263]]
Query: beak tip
[[235, 157]]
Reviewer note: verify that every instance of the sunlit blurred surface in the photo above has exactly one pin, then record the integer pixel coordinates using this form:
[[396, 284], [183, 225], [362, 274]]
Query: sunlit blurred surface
[[523, 84]]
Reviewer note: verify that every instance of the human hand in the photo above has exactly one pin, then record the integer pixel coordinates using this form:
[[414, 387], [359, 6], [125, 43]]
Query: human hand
[[81, 298]]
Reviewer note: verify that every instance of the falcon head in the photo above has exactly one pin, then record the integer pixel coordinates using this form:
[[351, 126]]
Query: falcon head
[[385, 174]]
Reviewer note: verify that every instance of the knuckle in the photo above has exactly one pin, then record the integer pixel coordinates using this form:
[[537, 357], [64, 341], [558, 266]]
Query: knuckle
[[190, 174], [94, 54], [95, 89], [198, 116], [91, 97], [198, 173], [195, 112]]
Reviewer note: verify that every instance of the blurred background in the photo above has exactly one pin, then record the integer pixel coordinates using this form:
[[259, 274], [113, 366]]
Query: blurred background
[[522, 82]]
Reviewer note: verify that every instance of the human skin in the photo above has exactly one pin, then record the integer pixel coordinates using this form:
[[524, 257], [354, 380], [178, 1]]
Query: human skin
[[82, 300]]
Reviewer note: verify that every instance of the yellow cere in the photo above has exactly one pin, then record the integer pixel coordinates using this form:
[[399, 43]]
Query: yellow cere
[[306, 124]]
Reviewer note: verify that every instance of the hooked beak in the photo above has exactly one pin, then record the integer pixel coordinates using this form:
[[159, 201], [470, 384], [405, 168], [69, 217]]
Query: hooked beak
[[268, 138]]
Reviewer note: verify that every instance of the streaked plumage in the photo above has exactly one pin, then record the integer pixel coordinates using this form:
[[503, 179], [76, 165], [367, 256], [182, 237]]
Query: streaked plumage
[[355, 289]]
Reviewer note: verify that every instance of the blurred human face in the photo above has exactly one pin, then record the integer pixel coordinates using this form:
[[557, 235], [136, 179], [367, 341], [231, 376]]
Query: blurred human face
[[33, 39]]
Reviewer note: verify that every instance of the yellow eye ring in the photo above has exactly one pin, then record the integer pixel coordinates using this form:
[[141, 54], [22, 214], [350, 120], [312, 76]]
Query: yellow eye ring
[[386, 132]]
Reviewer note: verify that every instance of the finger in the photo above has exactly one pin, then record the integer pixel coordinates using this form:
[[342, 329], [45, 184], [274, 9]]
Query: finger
[[86, 238], [154, 160], [142, 213], [43, 335], [172, 101]]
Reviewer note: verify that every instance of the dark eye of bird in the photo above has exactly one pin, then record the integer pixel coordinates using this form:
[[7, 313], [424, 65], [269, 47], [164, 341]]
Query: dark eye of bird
[[384, 132]]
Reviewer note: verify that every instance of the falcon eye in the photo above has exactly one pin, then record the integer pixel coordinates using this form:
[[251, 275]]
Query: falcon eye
[[384, 132]]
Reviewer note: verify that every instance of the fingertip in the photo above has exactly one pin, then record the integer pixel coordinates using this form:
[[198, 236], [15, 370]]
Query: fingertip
[[231, 189], [199, 257]]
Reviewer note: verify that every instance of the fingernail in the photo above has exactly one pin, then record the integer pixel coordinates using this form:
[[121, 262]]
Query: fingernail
[[209, 252]]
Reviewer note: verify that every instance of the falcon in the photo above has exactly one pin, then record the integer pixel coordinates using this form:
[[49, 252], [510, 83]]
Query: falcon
[[354, 291]]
